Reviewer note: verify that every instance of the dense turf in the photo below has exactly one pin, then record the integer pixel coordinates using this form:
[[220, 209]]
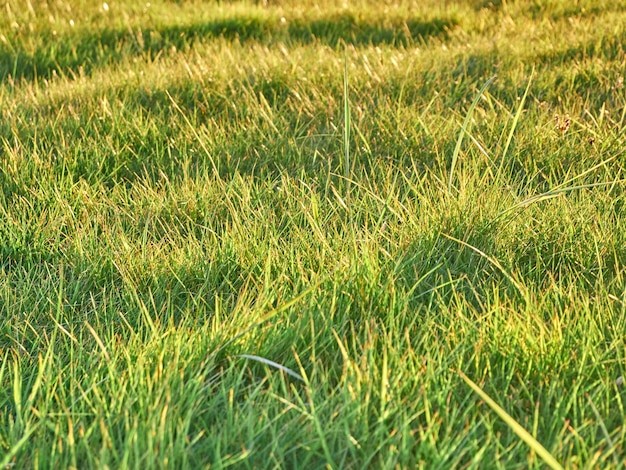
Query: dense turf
[[190, 190]]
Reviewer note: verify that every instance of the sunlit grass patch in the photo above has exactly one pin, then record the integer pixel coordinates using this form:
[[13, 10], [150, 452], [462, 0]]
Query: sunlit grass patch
[[280, 234]]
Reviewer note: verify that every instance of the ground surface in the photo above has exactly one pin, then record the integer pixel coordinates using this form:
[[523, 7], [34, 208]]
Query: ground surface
[[334, 187]]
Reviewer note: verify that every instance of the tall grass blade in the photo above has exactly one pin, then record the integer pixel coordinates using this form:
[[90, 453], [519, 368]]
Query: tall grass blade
[[518, 113], [346, 126], [464, 129]]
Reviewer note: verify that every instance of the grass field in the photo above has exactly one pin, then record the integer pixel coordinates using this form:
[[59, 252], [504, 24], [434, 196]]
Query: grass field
[[297, 234]]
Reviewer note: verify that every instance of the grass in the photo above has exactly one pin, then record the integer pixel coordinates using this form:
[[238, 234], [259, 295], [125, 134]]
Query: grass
[[310, 235]]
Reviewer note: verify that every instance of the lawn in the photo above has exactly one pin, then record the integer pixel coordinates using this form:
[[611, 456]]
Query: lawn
[[297, 234]]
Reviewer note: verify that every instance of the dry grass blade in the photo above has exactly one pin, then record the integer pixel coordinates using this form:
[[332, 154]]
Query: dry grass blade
[[273, 364]]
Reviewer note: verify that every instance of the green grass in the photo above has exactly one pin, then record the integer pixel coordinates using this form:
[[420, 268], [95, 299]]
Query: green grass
[[295, 234]]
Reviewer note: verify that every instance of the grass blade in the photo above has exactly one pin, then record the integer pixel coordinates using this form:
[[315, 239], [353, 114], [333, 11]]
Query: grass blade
[[273, 364], [465, 128], [346, 126], [518, 113], [6, 461], [604, 430], [533, 443]]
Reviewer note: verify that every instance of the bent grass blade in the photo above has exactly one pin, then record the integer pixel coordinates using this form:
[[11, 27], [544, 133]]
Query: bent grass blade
[[273, 364]]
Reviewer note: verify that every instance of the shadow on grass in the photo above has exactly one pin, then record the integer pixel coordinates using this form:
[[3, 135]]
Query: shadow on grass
[[609, 48], [493, 5], [85, 51], [573, 10]]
